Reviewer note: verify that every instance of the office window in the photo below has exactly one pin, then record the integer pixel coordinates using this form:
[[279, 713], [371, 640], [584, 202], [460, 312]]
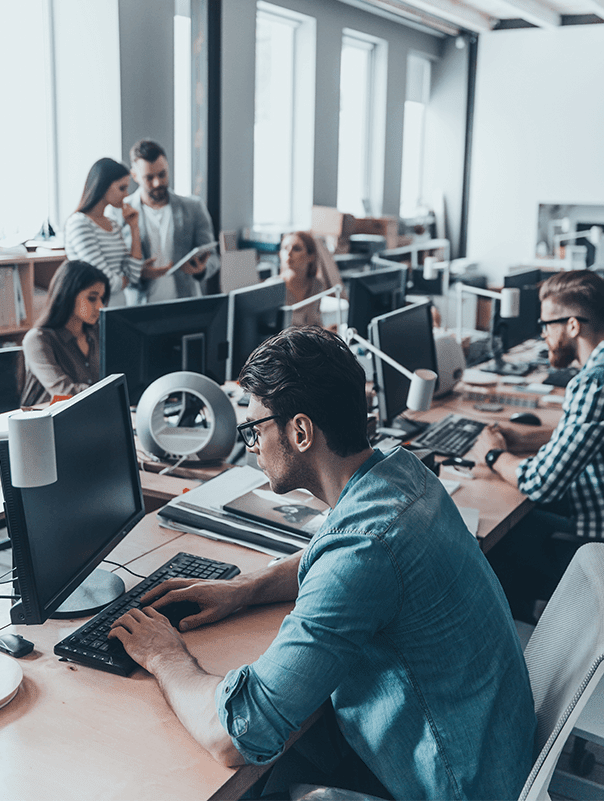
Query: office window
[[362, 124], [25, 133], [284, 117], [182, 97], [414, 129]]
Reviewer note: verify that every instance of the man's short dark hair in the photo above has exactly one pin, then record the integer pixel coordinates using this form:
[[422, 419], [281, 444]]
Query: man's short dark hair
[[147, 150], [579, 291], [311, 371]]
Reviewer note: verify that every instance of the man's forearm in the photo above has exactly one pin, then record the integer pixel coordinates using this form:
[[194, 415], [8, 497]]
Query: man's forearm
[[277, 582], [190, 692]]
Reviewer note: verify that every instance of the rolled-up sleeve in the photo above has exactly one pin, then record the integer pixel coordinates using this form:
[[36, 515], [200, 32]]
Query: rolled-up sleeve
[[261, 704], [578, 437]]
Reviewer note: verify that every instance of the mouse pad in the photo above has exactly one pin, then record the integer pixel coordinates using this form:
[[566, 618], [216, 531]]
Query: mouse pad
[[11, 676]]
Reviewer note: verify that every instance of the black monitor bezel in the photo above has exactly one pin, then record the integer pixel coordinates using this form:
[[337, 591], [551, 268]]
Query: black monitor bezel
[[358, 286], [30, 609], [265, 297], [524, 280], [376, 336], [131, 319]]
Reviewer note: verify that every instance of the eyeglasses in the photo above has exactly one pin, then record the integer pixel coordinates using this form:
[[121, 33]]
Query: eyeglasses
[[248, 433], [544, 323]]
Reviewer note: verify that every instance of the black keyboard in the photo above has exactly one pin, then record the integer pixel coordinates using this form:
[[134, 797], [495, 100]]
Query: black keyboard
[[454, 435], [89, 645]]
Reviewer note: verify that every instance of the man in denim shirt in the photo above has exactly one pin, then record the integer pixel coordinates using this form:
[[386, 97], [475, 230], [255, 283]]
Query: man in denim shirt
[[398, 620]]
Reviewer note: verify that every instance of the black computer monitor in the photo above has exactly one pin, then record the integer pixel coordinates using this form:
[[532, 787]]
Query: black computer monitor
[[507, 332], [10, 368], [406, 336], [255, 314], [525, 326], [146, 342], [373, 293], [61, 532]]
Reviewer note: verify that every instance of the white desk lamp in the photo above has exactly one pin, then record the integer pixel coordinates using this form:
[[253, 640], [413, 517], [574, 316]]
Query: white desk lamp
[[422, 381], [334, 290], [432, 266], [509, 297], [594, 235]]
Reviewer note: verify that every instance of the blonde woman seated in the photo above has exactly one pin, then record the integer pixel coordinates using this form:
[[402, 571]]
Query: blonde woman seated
[[62, 351], [298, 269]]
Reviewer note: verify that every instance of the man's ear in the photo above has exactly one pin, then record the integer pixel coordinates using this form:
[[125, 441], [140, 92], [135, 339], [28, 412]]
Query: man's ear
[[303, 432], [574, 327], [134, 176]]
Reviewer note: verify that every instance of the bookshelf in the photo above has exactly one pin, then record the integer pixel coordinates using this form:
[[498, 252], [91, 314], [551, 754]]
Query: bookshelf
[[18, 308]]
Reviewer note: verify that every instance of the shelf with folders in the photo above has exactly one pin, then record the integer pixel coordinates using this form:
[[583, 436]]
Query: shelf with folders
[[16, 296]]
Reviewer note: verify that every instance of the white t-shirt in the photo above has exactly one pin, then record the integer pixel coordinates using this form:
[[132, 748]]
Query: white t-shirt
[[159, 224]]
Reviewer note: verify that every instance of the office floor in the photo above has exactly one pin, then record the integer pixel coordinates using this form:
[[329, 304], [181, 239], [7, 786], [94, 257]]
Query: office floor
[[565, 785]]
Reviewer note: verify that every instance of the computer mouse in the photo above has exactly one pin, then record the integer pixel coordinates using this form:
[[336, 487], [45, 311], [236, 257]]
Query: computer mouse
[[177, 610], [525, 419]]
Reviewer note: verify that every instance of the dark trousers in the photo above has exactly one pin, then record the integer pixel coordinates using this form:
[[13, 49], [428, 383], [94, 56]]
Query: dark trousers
[[529, 562], [320, 757]]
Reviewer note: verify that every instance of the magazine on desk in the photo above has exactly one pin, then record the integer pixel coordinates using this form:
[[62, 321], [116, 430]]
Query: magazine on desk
[[238, 505]]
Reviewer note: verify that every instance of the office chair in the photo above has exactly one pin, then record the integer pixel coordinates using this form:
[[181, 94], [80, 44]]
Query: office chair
[[565, 659]]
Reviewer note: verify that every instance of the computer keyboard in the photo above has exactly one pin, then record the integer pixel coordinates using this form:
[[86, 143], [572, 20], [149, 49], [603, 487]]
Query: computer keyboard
[[454, 435], [89, 645]]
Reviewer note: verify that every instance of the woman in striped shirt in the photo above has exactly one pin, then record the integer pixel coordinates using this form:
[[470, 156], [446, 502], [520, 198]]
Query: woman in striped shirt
[[94, 238]]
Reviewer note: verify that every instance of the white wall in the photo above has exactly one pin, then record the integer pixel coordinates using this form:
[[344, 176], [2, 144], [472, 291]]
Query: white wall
[[88, 92], [538, 136]]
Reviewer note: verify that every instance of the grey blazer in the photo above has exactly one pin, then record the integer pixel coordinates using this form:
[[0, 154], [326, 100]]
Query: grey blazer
[[192, 227]]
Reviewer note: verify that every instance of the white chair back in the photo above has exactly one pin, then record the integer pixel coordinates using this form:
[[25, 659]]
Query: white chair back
[[565, 659]]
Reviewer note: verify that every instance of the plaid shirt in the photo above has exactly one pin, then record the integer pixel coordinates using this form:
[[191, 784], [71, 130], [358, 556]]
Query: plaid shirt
[[573, 460]]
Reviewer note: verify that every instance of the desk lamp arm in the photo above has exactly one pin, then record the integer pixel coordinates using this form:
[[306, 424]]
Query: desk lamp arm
[[334, 290], [509, 297], [422, 381]]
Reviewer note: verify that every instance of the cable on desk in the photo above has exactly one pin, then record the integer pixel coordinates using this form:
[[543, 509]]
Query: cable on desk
[[127, 569], [171, 467], [12, 570]]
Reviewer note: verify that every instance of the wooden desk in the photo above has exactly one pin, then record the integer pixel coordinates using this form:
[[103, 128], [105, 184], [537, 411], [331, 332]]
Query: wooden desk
[[73, 732], [501, 506]]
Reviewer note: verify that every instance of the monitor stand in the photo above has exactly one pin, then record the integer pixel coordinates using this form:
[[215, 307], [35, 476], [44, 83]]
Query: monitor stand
[[94, 593]]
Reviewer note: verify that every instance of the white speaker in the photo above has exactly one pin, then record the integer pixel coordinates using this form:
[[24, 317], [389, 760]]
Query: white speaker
[[450, 362]]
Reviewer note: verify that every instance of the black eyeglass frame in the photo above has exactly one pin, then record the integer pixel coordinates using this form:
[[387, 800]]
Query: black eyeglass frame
[[545, 323], [252, 436]]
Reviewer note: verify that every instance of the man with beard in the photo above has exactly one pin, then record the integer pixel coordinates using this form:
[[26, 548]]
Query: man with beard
[[399, 623], [566, 475], [170, 227]]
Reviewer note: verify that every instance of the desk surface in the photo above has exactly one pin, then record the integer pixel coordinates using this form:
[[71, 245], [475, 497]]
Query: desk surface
[[73, 732]]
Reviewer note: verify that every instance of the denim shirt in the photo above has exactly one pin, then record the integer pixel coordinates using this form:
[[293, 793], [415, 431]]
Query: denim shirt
[[400, 620]]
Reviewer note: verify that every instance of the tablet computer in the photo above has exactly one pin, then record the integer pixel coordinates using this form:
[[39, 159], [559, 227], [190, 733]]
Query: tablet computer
[[197, 251]]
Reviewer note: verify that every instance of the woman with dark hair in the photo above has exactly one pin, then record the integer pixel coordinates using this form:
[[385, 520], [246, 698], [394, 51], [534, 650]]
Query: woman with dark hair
[[298, 261], [94, 238], [62, 351]]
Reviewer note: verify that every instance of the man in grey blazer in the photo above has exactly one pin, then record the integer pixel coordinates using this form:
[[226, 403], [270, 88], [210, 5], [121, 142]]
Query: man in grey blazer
[[170, 226]]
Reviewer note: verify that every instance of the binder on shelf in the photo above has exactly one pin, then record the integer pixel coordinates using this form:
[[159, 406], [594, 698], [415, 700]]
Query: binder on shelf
[[239, 506]]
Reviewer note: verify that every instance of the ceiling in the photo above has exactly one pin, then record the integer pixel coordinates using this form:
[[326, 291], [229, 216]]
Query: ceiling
[[479, 16]]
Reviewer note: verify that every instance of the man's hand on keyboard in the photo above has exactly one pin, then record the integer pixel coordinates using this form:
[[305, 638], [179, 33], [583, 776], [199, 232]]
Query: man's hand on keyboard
[[216, 599], [147, 635]]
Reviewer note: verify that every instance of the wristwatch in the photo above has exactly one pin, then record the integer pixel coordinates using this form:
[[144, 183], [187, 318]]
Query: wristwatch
[[492, 456]]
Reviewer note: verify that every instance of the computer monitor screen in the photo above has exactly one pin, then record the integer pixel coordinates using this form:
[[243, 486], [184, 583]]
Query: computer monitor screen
[[146, 342], [10, 366], [60, 532], [518, 329], [255, 314], [373, 293], [406, 336]]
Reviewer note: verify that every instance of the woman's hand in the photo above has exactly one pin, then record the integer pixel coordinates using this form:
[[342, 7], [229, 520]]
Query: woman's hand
[[130, 215]]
